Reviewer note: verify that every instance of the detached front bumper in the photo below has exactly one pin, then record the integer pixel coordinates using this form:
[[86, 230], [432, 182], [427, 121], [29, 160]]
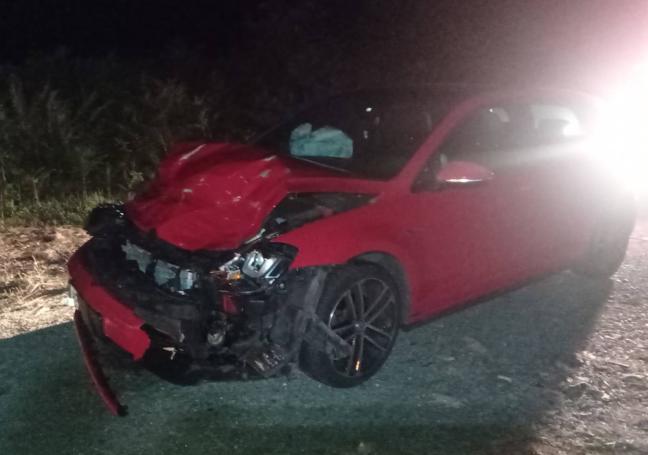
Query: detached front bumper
[[119, 323], [94, 369], [185, 338], [98, 313]]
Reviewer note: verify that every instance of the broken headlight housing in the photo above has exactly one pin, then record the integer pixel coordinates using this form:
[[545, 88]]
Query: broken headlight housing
[[256, 265], [256, 268]]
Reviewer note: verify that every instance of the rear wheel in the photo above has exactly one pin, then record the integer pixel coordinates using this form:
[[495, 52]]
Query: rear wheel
[[360, 303], [608, 244]]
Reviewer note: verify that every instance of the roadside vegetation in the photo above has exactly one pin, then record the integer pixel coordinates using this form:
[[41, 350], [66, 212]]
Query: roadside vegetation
[[75, 132], [78, 130]]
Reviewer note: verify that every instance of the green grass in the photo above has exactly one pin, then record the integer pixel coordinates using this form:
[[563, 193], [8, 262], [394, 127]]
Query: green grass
[[74, 129], [71, 210]]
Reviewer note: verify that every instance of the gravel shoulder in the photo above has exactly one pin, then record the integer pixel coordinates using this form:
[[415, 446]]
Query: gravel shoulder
[[33, 277], [557, 367]]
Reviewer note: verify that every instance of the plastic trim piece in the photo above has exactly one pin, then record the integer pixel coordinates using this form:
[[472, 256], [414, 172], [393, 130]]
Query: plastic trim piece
[[94, 369]]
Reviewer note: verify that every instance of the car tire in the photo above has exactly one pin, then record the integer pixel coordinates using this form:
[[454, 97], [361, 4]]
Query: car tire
[[608, 243], [361, 304]]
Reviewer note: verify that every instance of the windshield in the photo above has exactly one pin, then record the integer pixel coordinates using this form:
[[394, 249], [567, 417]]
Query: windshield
[[371, 137]]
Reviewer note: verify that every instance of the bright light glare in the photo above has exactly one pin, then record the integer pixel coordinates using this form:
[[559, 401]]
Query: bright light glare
[[572, 129], [622, 138]]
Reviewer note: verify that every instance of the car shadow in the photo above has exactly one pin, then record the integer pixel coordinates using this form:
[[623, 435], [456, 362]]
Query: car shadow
[[477, 381]]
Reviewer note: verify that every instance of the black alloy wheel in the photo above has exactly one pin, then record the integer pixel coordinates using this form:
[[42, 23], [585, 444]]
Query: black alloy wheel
[[360, 303]]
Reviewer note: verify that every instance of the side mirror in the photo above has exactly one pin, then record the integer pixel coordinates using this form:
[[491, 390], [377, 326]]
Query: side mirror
[[456, 173]]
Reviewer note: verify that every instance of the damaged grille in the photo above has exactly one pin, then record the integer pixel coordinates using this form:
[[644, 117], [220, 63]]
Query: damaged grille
[[149, 274]]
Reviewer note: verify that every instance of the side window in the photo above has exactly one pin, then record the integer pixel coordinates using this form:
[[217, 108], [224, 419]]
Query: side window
[[504, 136], [401, 127], [555, 123], [398, 131], [487, 135], [481, 138]]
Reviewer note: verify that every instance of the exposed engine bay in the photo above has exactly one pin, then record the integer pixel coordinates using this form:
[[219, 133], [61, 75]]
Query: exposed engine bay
[[211, 314]]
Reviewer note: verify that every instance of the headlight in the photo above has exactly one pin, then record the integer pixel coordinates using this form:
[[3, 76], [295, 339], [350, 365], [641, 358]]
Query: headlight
[[256, 265], [258, 268]]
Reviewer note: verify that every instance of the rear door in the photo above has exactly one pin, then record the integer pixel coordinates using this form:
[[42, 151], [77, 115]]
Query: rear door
[[544, 163], [555, 154]]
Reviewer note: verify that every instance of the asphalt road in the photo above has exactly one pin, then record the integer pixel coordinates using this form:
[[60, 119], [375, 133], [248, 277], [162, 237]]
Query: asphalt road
[[488, 379]]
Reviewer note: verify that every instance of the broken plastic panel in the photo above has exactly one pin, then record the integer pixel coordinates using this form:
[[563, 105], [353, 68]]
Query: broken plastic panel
[[137, 254]]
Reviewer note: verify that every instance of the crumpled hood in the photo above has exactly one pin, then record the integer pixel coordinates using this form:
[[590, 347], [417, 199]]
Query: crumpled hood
[[216, 196]]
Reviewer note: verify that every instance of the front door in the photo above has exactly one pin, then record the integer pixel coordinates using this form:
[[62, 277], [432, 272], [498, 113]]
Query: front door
[[473, 239]]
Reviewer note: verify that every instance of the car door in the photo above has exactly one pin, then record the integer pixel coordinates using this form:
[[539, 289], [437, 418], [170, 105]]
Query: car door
[[542, 161], [554, 156], [472, 239]]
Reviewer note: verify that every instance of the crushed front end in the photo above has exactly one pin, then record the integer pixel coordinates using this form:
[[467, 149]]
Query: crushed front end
[[202, 314]]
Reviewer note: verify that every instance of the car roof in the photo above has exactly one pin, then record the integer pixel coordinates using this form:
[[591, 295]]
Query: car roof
[[449, 93], [418, 94]]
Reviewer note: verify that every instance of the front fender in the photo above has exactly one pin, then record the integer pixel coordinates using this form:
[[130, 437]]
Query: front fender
[[339, 238], [343, 237]]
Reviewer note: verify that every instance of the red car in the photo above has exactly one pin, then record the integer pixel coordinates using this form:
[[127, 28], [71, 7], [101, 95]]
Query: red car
[[366, 213]]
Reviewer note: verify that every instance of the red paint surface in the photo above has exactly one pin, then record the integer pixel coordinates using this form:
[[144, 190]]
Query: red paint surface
[[120, 324], [229, 306], [216, 196], [463, 242], [453, 245]]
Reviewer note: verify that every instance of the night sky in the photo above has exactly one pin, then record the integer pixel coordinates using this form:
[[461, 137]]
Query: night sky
[[576, 37], [124, 27]]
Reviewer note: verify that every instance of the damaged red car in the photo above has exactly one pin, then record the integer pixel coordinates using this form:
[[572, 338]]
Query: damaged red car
[[314, 244]]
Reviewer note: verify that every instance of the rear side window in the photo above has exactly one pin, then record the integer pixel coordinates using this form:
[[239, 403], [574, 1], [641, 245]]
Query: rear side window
[[555, 123], [497, 136]]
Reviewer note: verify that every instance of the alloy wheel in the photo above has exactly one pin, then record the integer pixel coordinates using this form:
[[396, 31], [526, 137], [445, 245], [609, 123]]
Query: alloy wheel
[[365, 316]]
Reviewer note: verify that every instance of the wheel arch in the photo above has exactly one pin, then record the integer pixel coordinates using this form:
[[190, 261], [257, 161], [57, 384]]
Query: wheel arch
[[392, 266]]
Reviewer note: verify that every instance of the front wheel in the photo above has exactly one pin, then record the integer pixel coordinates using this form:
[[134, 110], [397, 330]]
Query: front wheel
[[360, 303]]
